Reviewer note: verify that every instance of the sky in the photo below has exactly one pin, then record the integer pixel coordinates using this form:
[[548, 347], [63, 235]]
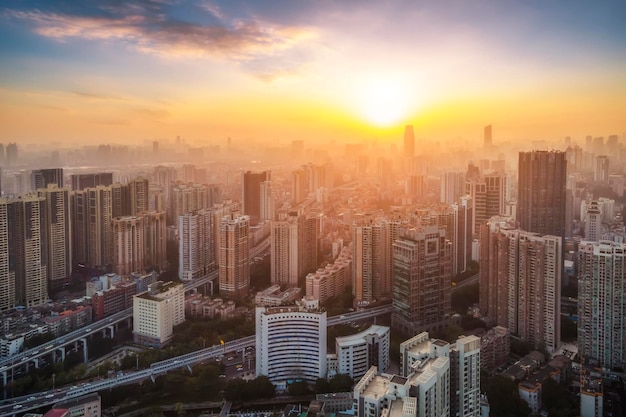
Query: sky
[[113, 71]]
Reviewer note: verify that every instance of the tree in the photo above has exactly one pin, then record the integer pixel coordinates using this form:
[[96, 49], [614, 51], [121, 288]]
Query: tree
[[321, 386], [557, 399], [341, 383], [298, 388], [503, 396]]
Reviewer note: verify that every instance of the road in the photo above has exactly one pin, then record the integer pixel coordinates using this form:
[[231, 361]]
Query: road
[[467, 282], [31, 402]]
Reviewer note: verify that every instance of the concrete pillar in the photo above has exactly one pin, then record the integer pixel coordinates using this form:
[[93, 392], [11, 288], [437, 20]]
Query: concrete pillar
[[85, 353], [36, 361], [4, 378], [62, 350], [112, 330]]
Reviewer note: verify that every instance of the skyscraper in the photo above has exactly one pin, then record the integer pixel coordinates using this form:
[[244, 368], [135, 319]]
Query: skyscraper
[[251, 193], [422, 268], [462, 240], [368, 268], [293, 249], [409, 141], [195, 244], [602, 302], [58, 231], [234, 265], [593, 222], [93, 232], [541, 199], [520, 282], [266, 212], [23, 251], [128, 244], [487, 137], [42, 177], [601, 169], [452, 187], [139, 195], [465, 377], [155, 238]]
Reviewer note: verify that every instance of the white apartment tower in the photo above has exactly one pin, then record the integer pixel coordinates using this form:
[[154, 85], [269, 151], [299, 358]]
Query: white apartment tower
[[602, 302], [195, 245], [234, 265], [357, 353], [465, 355]]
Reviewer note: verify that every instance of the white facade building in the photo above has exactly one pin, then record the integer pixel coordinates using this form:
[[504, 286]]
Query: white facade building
[[357, 353], [195, 244], [291, 342], [156, 312], [465, 354]]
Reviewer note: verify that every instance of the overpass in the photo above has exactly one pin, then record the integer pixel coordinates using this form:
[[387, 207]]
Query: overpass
[[25, 403]]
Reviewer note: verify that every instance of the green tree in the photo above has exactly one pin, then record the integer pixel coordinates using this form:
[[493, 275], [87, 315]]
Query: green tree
[[503, 396], [322, 386], [298, 388], [558, 400], [341, 383]]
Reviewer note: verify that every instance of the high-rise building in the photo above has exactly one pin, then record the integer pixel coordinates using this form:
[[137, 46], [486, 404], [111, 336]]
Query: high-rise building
[[465, 377], [487, 142], [452, 187], [541, 192], [293, 249], [23, 252], [520, 282], [82, 181], [267, 202], [155, 238], [93, 233], [42, 177], [251, 193], [422, 268], [139, 195], [601, 169], [195, 245], [602, 302], [409, 141], [187, 198], [291, 342], [593, 222], [368, 267], [128, 244], [462, 239], [11, 154], [299, 186], [59, 234], [234, 265]]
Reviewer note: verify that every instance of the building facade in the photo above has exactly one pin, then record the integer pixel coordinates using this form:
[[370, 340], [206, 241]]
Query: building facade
[[234, 264]]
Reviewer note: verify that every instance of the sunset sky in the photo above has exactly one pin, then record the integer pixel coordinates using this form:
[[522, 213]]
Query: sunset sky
[[125, 71]]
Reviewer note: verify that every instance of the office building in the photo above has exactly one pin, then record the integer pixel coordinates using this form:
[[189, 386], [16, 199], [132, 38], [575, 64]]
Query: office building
[[357, 353], [602, 303], [409, 142], [42, 177], [593, 222], [291, 342], [82, 181], [128, 244], [234, 264], [251, 193], [452, 187], [23, 252], [293, 248], [422, 268], [196, 254], [541, 192], [520, 282], [601, 169], [462, 239], [156, 312], [59, 234], [487, 140]]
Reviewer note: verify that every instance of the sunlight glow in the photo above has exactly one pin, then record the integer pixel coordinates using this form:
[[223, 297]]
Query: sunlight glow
[[385, 102]]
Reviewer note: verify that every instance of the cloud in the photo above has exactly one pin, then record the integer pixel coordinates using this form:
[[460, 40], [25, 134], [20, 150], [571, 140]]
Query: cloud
[[150, 30]]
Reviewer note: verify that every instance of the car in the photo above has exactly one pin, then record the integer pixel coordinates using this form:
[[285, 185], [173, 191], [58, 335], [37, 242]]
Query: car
[[230, 358], [31, 398], [222, 376], [239, 367], [17, 406], [88, 330], [49, 395]]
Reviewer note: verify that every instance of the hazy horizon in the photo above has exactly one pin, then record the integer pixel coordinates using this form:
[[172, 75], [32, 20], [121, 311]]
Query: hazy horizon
[[276, 71]]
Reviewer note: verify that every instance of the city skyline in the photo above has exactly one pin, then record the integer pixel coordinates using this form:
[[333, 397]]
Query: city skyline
[[206, 70]]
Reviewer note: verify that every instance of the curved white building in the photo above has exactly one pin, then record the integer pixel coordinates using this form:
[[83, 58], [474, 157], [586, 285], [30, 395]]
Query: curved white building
[[357, 353], [291, 342]]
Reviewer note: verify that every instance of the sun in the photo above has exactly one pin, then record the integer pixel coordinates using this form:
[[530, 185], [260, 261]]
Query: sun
[[384, 102]]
